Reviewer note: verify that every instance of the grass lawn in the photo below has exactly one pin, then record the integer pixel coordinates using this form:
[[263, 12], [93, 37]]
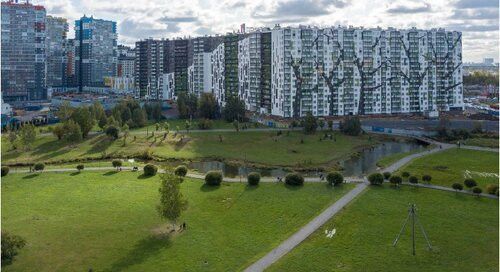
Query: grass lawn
[[485, 142], [104, 221], [388, 160], [181, 123], [251, 146], [463, 231], [449, 166]]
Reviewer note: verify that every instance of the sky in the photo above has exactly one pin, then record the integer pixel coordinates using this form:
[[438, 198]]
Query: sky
[[140, 19]]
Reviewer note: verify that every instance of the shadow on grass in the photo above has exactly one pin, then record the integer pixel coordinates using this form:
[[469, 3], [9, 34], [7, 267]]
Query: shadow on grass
[[143, 176], [110, 173], [209, 188], [100, 146], [293, 187], [251, 187], [75, 173], [143, 250], [31, 176]]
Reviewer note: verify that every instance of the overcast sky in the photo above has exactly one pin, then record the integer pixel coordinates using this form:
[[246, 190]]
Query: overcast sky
[[139, 19]]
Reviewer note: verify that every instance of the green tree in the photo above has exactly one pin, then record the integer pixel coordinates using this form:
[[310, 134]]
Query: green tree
[[117, 163], [27, 136], [253, 178], [457, 187], [113, 132], [310, 124], [97, 111], [187, 125], [469, 183], [330, 124], [13, 139], [80, 167], [58, 131], [65, 111], [172, 202], [72, 132], [351, 126], [376, 179], [395, 180], [181, 171], [334, 178], [139, 117], [11, 244], [207, 106], [126, 131], [234, 109], [321, 124], [236, 125], [187, 105], [83, 118]]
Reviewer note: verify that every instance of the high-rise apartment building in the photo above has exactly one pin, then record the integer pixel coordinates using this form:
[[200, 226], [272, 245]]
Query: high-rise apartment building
[[150, 64], [96, 51], [201, 74], [126, 62], [70, 63], [56, 39], [231, 64], [23, 61], [218, 74], [178, 62]]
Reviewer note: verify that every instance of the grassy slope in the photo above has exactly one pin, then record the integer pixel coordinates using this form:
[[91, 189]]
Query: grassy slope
[[448, 167], [258, 147], [463, 231], [486, 142], [104, 220], [388, 160]]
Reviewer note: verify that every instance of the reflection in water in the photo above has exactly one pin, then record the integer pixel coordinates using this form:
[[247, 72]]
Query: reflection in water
[[357, 166]]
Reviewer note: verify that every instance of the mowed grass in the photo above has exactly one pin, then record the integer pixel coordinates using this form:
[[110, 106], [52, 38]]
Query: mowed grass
[[463, 231], [104, 221], [389, 160], [251, 146], [450, 166]]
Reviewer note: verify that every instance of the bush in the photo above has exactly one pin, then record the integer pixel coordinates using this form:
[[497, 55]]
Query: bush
[[5, 170], [181, 171], [80, 167], [253, 178], [113, 132], [117, 163], [39, 166], [294, 179], [405, 174], [469, 183], [396, 180], [205, 124], [213, 178], [413, 180], [492, 189], [477, 191], [351, 126], [387, 175], [334, 178], [150, 170], [376, 179], [457, 186], [10, 245], [427, 178]]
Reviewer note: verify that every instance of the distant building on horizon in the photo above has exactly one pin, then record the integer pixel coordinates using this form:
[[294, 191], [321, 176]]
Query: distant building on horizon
[[56, 46]]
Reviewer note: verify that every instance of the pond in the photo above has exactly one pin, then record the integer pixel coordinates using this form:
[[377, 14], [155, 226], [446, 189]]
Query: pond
[[354, 167]]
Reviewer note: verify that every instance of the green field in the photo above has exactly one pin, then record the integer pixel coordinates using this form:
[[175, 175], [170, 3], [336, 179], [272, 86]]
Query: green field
[[388, 160], [463, 231], [255, 147], [181, 124], [105, 221], [449, 166], [482, 141]]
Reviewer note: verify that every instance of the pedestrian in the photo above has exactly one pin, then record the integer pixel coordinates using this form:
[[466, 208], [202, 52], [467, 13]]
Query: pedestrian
[[184, 225]]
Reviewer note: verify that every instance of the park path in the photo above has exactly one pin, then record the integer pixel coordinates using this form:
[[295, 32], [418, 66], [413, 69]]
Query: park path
[[306, 230]]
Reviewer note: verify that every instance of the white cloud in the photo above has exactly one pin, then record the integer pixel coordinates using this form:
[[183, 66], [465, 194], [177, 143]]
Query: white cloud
[[139, 19]]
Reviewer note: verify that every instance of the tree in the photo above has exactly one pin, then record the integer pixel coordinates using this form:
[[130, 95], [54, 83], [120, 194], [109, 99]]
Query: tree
[[334, 178], [351, 126], [207, 106], [427, 178], [181, 171], [321, 124], [294, 179], [97, 111], [395, 180], [376, 179], [27, 136], [387, 175], [80, 167], [477, 191], [113, 132], [172, 202], [236, 125], [139, 117], [116, 164], [187, 105], [125, 130], [253, 178], [205, 124], [65, 111], [213, 178], [457, 187], [491, 189], [310, 124], [58, 131], [413, 180], [150, 170], [469, 183], [11, 244], [5, 170], [187, 125], [330, 124], [102, 122], [234, 109], [83, 118], [405, 175], [72, 132], [39, 166], [13, 139]]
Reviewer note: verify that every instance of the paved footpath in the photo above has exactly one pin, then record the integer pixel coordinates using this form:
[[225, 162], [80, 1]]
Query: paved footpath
[[305, 231]]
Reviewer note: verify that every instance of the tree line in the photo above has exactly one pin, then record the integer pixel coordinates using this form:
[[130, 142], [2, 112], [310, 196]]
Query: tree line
[[190, 106]]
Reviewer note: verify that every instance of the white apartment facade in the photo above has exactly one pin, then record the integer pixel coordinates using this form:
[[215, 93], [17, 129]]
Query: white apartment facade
[[166, 86], [218, 78]]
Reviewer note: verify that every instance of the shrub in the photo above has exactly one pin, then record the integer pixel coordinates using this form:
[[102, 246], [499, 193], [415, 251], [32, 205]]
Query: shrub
[[492, 189], [113, 132], [150, 170], [146, 154], [457, 186], [213, 178], [396, 180], [294, 179], [181, 171], [387, 175], [10, 245], [334, 178], [253, 178], [405, 174], [469, 183], [477, 191], [117, 163], [5, 170], [413, 180], [376, 179], [80, 167], [39, 166], [205, 124], [427, 178]]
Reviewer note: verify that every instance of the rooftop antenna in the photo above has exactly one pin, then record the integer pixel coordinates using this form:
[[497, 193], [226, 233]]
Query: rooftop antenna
[[412, 215]]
